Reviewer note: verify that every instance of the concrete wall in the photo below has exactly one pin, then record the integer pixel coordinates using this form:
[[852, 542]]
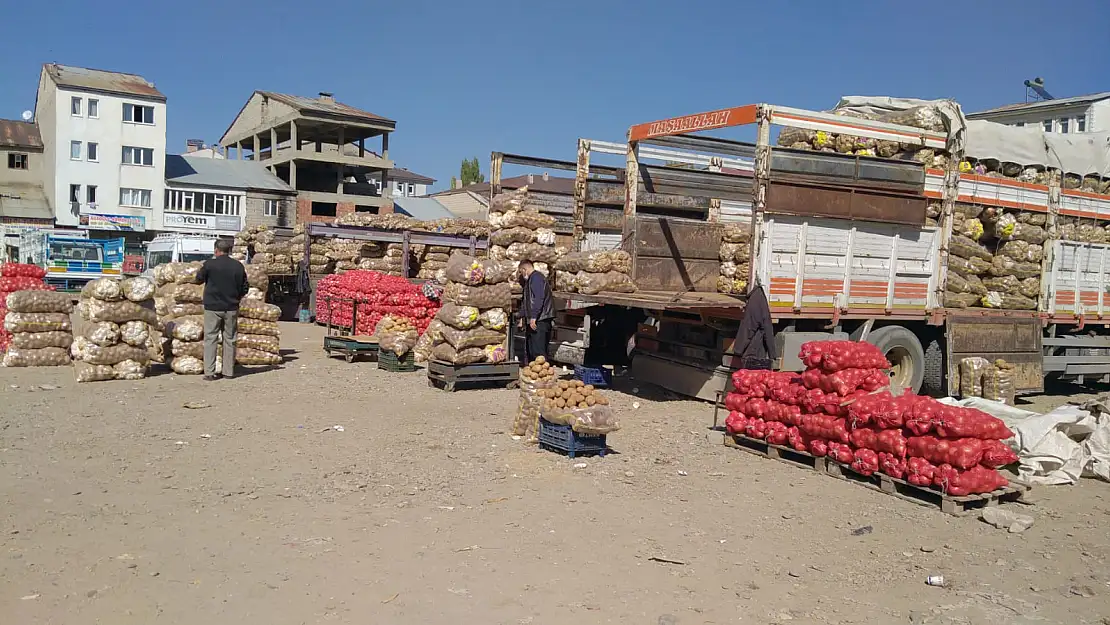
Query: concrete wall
[[1098, 117], [35, 166], [258, 113], [45, 106], [254, 214]]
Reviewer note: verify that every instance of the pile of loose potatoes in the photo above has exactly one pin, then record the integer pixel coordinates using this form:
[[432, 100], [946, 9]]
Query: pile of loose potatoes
[[571, 395], [538, 371]]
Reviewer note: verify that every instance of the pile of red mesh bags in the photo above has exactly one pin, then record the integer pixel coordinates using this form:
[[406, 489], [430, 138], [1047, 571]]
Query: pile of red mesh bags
[[840, 408], [17, 277], [376, 295]]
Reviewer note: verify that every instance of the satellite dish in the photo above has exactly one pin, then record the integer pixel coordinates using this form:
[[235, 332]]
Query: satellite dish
[[27, 115]]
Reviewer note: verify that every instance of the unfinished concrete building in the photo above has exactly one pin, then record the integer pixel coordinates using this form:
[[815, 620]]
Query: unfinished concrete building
[[320, 147]]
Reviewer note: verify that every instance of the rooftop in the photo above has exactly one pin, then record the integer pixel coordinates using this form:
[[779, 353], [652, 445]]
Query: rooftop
[[325, 106], [535, 182], [17, 134], [400, 174], [423, 208], [1042, 104], [222, 173], [102, 81]]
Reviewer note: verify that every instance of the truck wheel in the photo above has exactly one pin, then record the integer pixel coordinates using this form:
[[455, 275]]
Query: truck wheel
[[906, 356], [933, 381]]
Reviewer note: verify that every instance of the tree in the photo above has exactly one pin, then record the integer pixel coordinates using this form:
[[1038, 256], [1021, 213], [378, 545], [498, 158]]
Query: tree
[[470, 172]]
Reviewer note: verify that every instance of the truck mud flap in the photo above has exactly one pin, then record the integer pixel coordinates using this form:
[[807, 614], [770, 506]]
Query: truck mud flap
[[1017, 341]]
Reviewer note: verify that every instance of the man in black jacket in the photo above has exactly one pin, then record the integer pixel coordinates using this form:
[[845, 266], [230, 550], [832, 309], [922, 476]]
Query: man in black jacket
[[537, 310], [755, 338], [225, 283]]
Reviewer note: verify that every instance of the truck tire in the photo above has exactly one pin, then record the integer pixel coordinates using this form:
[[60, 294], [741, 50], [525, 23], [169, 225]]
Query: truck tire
[[906, 356], [933, 383]]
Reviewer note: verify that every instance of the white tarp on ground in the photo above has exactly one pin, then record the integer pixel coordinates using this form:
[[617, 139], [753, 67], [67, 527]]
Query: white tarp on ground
[[1083, 154], [1055, 448]]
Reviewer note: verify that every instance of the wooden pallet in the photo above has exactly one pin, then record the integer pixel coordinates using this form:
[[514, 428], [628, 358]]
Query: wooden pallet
[[448, 376], [957, 506]]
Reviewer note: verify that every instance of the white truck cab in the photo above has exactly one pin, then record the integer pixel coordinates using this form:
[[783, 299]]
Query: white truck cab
[[173, 247]]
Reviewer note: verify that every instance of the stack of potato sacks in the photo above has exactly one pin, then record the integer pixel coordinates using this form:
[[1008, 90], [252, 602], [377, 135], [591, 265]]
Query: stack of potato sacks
[[276, 257], [39, 324], [180, 306], [736, 257], [994, 258], [521, 232], [472, 325], [593, 272], [112, 330]]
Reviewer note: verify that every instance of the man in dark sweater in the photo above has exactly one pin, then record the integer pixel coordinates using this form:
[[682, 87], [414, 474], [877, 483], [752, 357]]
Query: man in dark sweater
[[537, 310], [225, 283]]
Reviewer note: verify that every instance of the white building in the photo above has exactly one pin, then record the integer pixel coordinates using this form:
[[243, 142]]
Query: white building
[[1086, 113], [104, 145], [404, 183]]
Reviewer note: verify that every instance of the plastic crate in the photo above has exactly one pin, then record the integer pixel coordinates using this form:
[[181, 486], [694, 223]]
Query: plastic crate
[[389, 361], [600, 377], [563, 439]]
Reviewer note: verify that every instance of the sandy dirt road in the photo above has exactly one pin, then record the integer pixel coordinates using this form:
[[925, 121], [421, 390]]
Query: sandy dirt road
[[119, 505]]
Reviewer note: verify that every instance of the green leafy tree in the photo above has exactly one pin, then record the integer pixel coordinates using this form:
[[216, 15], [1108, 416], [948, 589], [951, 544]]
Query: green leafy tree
[[469, 172]]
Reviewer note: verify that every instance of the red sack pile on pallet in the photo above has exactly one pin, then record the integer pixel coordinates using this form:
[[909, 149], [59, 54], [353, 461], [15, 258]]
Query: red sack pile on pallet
[[376, 295], [839, 408], [17, 277]]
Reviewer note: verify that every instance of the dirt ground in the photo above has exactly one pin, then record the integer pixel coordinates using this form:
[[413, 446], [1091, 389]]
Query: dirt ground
[[119, 505]]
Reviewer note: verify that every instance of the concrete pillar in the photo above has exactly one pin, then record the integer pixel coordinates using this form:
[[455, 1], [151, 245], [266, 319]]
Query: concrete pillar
[[294, 141], [239, 150], [339, 179], [273, 144], [385, 145], [256, 148], [342, 140], [293, 173], [362, 147]]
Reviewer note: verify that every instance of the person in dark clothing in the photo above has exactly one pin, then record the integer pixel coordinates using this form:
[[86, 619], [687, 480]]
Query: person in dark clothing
[[225, 284], [537, 310], [755, 338]]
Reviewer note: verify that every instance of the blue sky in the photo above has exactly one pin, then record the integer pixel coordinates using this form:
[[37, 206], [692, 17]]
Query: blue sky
[[465, 78]]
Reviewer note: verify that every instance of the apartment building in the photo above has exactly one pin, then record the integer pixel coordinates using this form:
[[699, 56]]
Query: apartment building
[[1079, 114], [104, 146]]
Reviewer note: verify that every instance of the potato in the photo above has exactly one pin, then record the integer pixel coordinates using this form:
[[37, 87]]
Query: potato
[[560, 403], [589, 388], [591, 400], [541, 359]]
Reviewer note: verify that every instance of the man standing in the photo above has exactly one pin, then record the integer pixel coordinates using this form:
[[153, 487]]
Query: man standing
[[536, 311], [225, 283]]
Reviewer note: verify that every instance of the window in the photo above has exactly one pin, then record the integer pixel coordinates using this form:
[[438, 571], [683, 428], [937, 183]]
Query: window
[[1064, 125], [92, 152], [90, 194], [17, 161], [138, 114], [138, 198], [75, 150], [410, 190], [201, 202], [270, 209], [323, 209], [1020, 124], [1047, 125], [1081, 123], [94, 108], [75, 106], [75, 193], [138, 156]]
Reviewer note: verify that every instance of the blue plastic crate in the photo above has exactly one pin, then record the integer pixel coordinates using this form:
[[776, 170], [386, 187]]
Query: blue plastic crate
[[563, 439], [600, 377]]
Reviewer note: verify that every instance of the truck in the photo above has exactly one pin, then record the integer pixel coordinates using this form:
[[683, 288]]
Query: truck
[[173, 247], [70, 257], [842, 243]]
